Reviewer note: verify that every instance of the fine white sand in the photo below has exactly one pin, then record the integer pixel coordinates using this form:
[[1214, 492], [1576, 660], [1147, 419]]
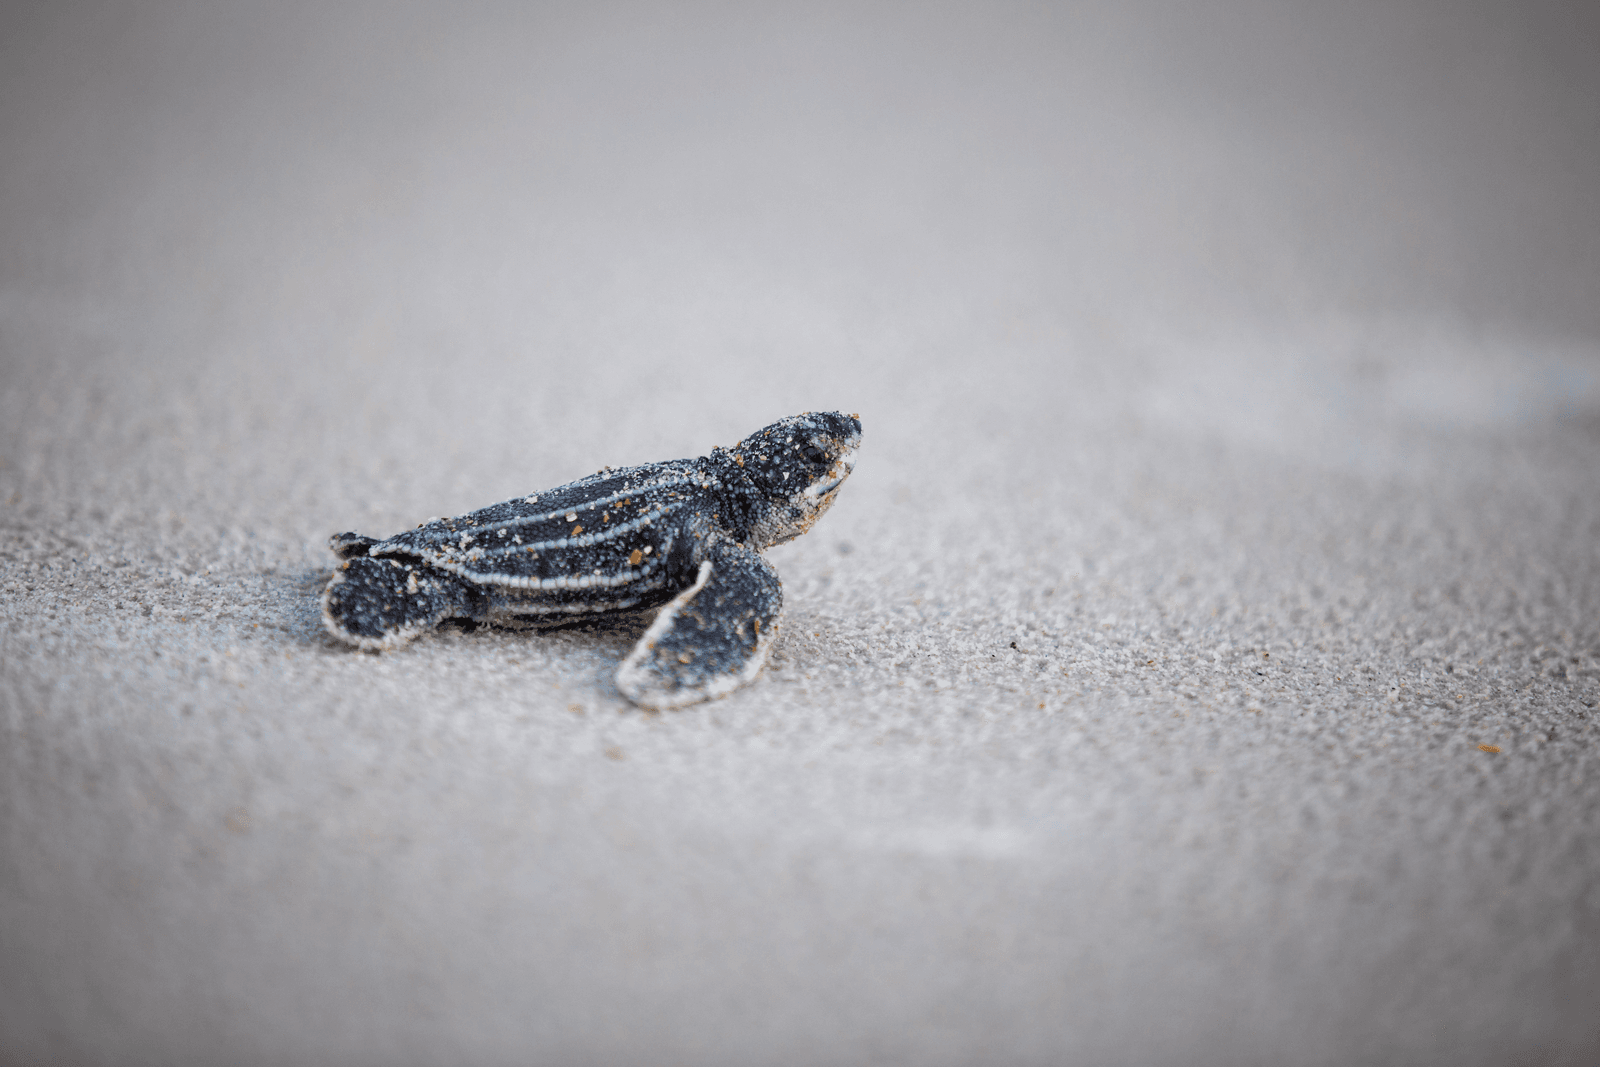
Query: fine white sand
[[1200, 667]]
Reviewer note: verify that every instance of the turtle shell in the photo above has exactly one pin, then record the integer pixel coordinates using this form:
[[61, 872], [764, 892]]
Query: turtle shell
[[610, 531]]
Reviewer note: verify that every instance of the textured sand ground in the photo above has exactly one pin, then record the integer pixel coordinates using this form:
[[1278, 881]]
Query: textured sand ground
[[1201, 666]]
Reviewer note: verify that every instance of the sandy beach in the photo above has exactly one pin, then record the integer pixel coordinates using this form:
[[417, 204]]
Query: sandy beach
[[1200, 667]]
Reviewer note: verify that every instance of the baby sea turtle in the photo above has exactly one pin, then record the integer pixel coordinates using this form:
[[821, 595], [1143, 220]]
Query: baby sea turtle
[[683, 536]]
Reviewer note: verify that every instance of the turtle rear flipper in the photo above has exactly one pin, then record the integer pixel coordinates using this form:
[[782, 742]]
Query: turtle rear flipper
[[378, 603], [711, 638], [350, 545]]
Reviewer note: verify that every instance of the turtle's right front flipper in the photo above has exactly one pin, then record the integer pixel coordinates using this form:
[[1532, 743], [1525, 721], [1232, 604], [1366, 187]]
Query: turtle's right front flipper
[[711, 638], [375, 603]]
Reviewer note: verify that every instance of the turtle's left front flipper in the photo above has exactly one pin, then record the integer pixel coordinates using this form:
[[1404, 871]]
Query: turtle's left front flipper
[[712, 638]]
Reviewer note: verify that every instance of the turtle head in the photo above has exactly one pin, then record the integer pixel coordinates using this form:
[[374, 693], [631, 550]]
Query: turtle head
[[797, 465]]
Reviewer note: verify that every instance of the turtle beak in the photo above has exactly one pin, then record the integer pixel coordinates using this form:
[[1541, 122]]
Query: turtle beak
[[836, 474]]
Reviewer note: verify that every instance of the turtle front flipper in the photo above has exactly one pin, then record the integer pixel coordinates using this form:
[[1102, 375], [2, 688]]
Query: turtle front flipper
[[711, 638], [375, 603]]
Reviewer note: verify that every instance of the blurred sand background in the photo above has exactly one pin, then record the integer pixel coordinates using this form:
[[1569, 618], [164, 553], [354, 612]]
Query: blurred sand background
[[1230, 377]]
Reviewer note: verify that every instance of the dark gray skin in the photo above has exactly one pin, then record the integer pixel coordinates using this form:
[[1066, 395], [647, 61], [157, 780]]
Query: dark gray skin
[[681, 538]]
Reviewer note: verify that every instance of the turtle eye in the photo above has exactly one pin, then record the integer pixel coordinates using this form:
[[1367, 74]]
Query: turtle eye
[[814, 455]]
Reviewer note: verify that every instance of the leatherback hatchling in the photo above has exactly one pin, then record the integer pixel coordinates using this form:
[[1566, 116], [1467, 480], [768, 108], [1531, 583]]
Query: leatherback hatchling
[[683, 536]]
